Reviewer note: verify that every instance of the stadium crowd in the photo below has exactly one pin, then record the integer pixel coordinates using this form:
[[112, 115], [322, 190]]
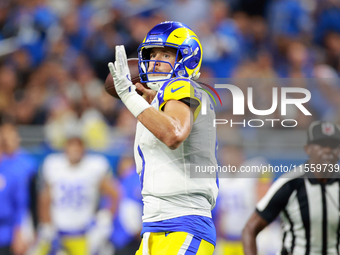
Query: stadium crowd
[[54, 55]]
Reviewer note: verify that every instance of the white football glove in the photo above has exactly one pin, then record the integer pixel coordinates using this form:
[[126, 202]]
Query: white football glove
[[120, 72], [123, 85]]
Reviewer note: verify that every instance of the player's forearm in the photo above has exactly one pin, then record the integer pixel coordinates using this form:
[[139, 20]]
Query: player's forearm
[[249, 241], [114, 206], [109, 188], [19, 246], [114, 200], [166, 128], [44, 207], [253, 227]]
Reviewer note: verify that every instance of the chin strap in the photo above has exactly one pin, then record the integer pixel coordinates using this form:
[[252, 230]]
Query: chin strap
[[159, 80], [196, 76], [158, 83], [155, 85]]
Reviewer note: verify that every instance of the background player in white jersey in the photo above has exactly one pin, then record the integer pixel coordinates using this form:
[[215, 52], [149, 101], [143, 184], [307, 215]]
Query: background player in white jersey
[[171, 137], [73, 182], [238, 194]]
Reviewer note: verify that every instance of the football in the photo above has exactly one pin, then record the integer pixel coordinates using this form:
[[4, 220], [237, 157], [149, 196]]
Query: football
[[133, 66]]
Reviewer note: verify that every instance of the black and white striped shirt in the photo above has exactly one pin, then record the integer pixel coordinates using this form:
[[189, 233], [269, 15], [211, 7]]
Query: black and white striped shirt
[[309, 211]]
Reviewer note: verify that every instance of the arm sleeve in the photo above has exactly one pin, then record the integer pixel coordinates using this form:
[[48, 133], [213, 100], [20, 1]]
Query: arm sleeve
[[275, 199]]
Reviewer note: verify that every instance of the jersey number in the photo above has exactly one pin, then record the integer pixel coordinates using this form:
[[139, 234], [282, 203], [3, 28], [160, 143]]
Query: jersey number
[[71, 195]]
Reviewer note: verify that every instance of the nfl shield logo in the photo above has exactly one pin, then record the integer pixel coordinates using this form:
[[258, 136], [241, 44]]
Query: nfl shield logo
[[328, 128]]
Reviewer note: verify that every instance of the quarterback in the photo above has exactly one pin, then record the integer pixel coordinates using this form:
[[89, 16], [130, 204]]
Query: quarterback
[[171, 137]]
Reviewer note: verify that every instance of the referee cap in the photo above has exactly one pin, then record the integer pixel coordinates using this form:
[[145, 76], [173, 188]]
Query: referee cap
[[323, 133]]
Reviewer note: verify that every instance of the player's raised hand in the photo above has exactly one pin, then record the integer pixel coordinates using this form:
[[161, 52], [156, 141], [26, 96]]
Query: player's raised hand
[[121, 73], [124, 87]]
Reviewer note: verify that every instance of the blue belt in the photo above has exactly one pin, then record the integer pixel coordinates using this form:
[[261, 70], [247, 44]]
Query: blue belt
[[72, 233], [233, 238]]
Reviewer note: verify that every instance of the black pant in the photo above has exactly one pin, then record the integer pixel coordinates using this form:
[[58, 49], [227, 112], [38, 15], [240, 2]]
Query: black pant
[[5, 250]]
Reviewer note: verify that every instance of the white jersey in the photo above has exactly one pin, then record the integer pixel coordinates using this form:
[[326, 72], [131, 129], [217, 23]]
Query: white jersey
[[238, 198], [167, 188], [74, 189], [237, 201]]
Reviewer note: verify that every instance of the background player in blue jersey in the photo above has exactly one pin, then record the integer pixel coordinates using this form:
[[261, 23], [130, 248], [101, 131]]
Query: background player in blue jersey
[[27, 167], [13, 204], [127, 224], [171, 137]]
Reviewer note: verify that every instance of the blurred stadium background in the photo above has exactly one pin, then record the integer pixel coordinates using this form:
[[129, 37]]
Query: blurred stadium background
[[54, 55]]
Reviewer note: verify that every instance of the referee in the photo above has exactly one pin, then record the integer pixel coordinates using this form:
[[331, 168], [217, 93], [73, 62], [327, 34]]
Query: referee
[[307, 200]]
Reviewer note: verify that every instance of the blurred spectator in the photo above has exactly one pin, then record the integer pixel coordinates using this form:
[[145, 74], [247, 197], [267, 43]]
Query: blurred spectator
[[5, 30], [289, 22], [328, 20], [100, 47], [21, 62], [31, 21], [326, 91], [131, 8], [8, 83], [332, 41], [73, 107], [296, 62], [223, 40], [72, 41], [73, 30], [289, 18], [182, 11], [79, 119], [30, 105], [258, 40], [253, 8], [123, 135], [108, 106]]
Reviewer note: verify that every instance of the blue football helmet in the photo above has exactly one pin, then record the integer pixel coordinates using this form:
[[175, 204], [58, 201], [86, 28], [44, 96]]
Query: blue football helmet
[[188, 57]]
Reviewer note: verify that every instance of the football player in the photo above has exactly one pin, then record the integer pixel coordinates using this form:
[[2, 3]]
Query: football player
[[172, 136], [73, 182], [238, 194]]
